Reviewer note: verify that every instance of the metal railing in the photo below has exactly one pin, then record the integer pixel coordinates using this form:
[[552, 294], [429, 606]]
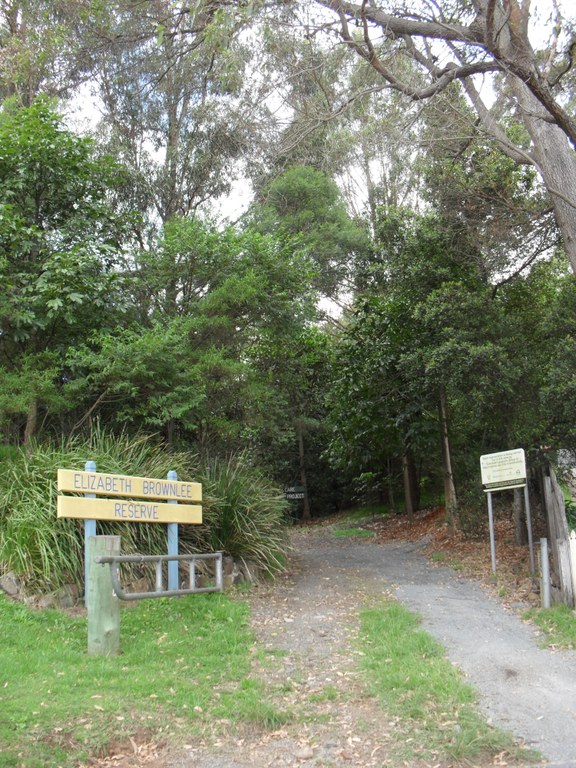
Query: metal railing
[[115, 561]]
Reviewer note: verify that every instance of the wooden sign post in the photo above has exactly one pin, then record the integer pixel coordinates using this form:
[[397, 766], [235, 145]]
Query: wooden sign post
[[129, 499], [103, 605]]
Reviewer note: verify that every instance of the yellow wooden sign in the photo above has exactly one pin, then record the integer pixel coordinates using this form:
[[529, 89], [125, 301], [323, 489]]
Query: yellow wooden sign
[[128, 510], [124, 485]]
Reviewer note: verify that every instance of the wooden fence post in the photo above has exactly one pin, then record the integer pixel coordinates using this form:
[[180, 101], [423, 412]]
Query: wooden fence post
[[572, 546], [103, 605], [545, 573]]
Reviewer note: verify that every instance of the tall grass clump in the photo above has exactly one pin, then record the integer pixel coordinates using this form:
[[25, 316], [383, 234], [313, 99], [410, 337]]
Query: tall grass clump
[[242, 514], [45, 551]]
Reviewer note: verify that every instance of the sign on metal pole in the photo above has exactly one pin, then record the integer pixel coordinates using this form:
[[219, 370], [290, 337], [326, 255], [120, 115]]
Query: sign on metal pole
[[173, 570], [500, 472], [89, 529], [504, 470], [133, 499]]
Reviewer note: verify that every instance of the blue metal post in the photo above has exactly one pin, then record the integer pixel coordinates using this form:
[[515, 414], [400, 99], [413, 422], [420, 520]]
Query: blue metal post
[[172, 542], [89, 530]]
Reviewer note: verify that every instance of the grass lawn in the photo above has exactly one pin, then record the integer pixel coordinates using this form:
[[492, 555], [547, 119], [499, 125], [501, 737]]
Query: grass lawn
[[182, 661], [409, 672]]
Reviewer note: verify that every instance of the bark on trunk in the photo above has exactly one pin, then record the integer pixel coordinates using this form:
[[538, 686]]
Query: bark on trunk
[[519, 520], [408, 504], [450, 500], [391, 494], [31, 421], [302, 454], [556, 161], [411, 488]]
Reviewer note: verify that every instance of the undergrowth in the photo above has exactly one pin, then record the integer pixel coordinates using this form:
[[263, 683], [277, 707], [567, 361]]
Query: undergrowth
[[243, 512]]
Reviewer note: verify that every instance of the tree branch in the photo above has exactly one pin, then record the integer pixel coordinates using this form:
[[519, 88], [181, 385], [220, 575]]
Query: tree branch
[[443, 77], [513, 55], [89, 412], [398, 26]]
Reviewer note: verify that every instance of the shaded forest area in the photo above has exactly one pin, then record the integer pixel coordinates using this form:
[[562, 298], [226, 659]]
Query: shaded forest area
[[394, 297]]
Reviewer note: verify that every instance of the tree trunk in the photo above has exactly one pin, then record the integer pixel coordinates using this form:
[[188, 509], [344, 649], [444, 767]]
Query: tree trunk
[[408, 505], [411, 487], [302, 454], [450, 500], [519, 522], [552, 151], [556, 161], [391, 494], [31, 421], [501, 31], [170, 434]]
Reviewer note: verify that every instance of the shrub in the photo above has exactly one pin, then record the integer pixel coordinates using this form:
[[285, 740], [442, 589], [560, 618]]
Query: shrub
[[243, 515], [244, 512]]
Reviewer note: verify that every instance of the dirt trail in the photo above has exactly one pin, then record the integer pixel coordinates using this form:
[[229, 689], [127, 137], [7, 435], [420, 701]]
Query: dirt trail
[[307, 622]]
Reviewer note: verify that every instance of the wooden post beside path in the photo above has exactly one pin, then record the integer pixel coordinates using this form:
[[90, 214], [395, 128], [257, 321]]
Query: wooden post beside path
[[103, 605]]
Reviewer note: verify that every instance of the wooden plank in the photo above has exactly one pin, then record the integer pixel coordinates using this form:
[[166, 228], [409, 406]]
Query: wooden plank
[[558, 527], [128, 510], [572, 549], [103, 484], [552, 526], [565, 573]]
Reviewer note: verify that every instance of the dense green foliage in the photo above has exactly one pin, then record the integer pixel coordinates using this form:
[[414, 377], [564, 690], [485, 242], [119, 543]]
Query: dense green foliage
[[432, 326], [60, 246], [305, 204]]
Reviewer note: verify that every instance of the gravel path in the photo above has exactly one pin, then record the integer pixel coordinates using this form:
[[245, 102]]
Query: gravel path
[[307, 622], [526, 690]]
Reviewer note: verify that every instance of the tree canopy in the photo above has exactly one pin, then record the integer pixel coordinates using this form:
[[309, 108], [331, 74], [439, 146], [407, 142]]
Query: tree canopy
[[396, 298]]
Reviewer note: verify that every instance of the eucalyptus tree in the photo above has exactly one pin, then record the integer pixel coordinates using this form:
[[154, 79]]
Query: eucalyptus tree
[[498, 210], [462, 42], [39, 49], [302, 79], [380, 144], [171, 84], [326, 117]]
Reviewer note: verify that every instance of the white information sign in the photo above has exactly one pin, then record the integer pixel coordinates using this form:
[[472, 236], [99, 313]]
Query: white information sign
[[504, 470]]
